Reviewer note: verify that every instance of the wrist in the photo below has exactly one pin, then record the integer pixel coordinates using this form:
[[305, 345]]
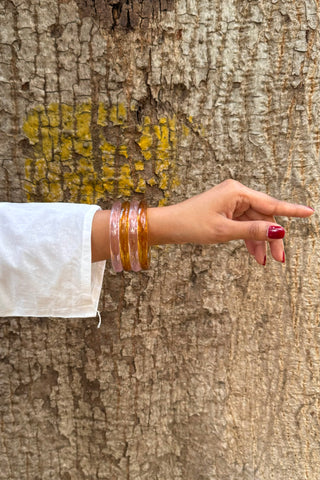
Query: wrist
[[164, 225]]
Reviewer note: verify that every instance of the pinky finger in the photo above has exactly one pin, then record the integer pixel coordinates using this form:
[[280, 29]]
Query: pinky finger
[[258, 250], [277, 250]]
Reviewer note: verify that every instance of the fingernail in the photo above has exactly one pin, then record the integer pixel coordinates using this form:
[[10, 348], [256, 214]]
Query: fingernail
[[283, 258], [311, 208], [275, 231], [264, 260]]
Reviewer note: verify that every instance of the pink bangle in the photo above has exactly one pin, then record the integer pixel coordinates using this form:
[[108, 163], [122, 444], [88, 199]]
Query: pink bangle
[[114, 237], [133, 236]]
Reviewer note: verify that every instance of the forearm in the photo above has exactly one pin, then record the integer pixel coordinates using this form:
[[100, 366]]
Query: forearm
[[100, 238]]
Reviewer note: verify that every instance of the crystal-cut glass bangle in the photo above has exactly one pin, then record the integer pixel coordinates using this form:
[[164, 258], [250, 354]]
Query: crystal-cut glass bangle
[[133, 236], [143, 246], [124, 236], [114, 237]]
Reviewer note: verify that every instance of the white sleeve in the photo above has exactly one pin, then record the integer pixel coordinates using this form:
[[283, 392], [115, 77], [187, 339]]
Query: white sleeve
[[45, 260]]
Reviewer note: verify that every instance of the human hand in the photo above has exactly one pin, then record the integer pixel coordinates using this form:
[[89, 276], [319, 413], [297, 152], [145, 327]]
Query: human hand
[[229, 211]]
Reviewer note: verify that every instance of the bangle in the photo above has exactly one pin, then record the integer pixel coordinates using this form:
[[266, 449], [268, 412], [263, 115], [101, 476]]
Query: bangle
[[143, 246], [129, 247], [114, 237], [133, 236], [124, 236]]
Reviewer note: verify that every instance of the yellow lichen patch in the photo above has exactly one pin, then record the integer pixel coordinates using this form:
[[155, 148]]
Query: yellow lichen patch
[[66, 149], [102, 115], [185, 130], [175, 182], [125, 182], [108, 152], [83, 120], [67, 132], [72, 179], [31, 127], [107, 178], [40, 169], [152, 182], [52, 177], [85, 167], [53, 115], [139, 166], [28, 166], [44, 189], [79, 156], [49, 130], [72, 182], [55, 192], [87, 192], [108, 170], [141, 187], [83, 148], [165, 199], [145, 141], [67, 118], [162, 134], [118, 114], [28, 188], [147, 155], [163, 184], [173, 132], [164, 152], [123, 150], [162, 165]]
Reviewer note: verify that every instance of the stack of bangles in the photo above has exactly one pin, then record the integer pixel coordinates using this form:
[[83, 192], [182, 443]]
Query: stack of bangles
[[129, 248]]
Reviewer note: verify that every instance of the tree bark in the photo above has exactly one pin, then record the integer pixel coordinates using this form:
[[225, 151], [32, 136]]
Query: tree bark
[[206, 367]]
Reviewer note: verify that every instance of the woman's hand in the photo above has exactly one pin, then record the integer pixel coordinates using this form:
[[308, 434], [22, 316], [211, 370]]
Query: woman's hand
[[226, 212]]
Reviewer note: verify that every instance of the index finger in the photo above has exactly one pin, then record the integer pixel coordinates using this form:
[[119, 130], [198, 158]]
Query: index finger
[[267, 205]]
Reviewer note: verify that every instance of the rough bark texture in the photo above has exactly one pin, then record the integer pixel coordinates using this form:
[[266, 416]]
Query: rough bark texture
[[206, 367]]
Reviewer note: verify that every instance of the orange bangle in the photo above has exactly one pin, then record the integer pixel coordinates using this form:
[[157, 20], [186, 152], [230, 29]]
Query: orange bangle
[[143, 245], [124, 236]]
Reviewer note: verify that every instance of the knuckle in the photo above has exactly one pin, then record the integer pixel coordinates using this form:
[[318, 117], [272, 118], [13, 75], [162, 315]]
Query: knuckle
[[233, 185], [230, 182]]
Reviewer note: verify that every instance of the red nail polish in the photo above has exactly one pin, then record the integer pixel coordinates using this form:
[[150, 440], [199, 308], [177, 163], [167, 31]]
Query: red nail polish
[[276, 232], [264, 260], [283, 258]]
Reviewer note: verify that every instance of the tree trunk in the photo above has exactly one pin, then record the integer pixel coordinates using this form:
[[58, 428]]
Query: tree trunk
[[206, 367]]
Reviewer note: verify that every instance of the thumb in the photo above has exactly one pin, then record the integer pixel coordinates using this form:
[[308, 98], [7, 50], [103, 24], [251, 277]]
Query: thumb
[[253, 230]]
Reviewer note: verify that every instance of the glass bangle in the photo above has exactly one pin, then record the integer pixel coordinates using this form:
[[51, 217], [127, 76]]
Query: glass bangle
[[114, 237], [124, 236], [143, 246], [133, 236]]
